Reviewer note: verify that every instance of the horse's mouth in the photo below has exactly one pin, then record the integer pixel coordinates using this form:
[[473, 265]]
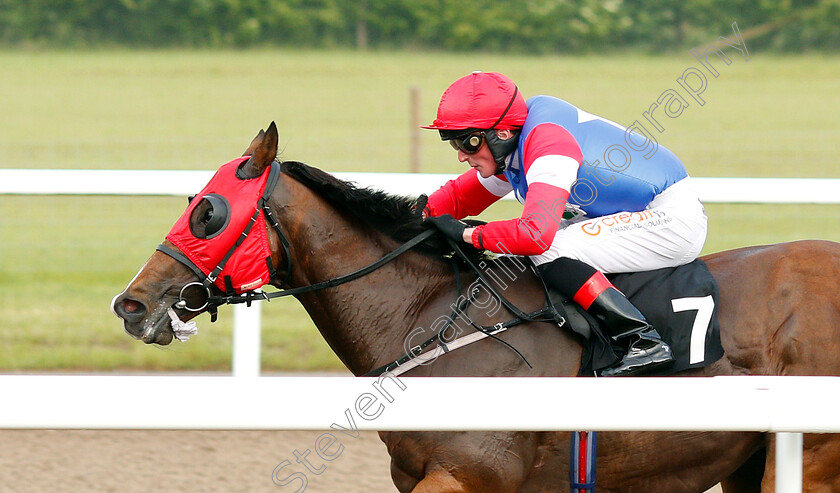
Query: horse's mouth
[[161, 332], [155, 328]]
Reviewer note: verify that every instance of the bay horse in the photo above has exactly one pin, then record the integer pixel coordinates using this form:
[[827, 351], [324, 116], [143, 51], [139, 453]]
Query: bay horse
[[779, 314]]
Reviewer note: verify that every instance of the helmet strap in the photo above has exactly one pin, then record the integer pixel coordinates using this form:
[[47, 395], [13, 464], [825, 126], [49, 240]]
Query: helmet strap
[[510, 103], [498, 147], [501, 148]]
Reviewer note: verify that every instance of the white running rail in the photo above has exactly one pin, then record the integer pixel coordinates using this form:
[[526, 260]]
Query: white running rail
[[787, 406]]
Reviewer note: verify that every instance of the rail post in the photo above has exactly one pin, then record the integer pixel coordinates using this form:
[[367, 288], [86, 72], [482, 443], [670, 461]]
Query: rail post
[[247, 321], [789, 462]]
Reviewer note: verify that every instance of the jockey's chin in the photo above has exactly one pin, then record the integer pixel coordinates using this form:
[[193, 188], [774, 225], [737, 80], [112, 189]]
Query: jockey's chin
[[482, 161]]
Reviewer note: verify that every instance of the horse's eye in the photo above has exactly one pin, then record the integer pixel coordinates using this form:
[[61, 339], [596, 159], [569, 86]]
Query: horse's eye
[[210, 216]]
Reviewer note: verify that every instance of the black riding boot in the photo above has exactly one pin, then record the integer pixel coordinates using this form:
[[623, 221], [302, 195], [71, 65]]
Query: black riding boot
[[625, 324]]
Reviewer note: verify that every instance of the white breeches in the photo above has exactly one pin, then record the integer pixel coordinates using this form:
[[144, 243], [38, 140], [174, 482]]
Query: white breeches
[[671, 231]]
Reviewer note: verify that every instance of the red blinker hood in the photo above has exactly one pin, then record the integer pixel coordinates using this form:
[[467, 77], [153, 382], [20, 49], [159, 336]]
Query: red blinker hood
[[248, 264]]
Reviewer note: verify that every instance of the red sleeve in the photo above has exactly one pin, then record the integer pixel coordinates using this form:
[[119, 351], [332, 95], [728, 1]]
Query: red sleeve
[[551, 159], [463, 196], [532, 233]]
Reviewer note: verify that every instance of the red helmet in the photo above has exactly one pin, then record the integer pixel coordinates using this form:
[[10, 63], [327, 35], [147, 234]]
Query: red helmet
[[481, 100]]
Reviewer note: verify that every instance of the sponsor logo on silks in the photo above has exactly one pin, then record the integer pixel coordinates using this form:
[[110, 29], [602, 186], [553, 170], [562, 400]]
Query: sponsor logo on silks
[[625, 221]]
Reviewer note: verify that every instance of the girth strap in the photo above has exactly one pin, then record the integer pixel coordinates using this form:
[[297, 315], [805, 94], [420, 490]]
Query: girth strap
[[582, 464]]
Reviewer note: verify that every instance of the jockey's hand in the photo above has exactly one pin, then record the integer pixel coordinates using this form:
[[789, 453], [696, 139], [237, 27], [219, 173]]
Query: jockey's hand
[[449, 226]]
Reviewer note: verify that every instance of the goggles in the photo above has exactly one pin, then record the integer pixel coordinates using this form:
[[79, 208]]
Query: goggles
[[469, 144]]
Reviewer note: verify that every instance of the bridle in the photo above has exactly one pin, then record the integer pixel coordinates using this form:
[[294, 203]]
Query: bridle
[[206, 281], [213, 301]]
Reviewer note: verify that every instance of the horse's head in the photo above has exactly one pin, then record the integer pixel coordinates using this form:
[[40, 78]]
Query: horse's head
[[221, 245]]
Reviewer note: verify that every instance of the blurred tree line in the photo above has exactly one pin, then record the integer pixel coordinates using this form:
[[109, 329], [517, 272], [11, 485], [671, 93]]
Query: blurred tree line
[[527, 26]]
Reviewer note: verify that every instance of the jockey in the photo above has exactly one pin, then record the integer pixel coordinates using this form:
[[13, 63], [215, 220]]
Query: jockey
[[598, 198]]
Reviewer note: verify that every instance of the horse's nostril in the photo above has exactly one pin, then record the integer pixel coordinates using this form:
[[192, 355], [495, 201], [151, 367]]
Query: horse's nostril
[[130, 310], [132, 306]]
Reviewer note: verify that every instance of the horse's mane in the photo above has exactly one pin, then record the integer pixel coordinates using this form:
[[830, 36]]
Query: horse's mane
[[393, 215]]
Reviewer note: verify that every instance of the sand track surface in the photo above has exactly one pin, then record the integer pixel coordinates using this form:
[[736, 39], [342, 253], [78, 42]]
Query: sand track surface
[[81, 461], [94, 461]]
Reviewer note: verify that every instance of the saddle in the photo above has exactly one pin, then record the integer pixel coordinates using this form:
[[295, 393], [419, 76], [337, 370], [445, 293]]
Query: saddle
[[681, 302]]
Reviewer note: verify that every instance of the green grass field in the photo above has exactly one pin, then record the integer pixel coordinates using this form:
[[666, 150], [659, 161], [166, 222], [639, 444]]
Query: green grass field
[[63, 258]]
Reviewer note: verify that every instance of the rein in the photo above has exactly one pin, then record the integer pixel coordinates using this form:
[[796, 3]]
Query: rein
[[535, 316], [336, 281], [408, 360]]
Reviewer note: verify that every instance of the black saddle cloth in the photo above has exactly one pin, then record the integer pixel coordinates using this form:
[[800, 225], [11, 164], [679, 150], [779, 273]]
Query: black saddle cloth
[[680, 302]]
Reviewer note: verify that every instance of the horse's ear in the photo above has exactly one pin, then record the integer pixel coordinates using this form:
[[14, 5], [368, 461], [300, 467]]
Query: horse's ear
[[263, 150], [254, 143]]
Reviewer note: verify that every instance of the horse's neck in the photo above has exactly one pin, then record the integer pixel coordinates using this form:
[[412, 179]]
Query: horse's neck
[[365, 321], [368, 319]]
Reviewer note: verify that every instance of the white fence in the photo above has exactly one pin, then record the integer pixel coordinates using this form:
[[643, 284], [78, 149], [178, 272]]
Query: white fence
[[749, 403], [246, 347], [787, 406], [167, 182]]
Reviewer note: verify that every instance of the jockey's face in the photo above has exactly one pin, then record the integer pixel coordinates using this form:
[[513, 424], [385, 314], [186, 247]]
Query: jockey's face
[[482, 161]]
